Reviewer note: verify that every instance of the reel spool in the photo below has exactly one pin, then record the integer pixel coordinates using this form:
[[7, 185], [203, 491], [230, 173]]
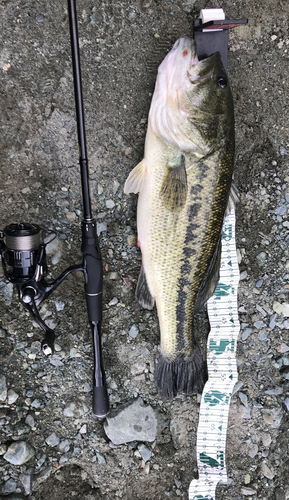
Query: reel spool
[[23, 246]]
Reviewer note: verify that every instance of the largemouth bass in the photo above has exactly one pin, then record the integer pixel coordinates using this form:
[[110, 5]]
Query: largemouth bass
[[183, 183]]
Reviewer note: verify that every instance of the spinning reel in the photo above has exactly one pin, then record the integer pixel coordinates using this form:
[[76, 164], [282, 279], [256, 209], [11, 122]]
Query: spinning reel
[[24, 263]]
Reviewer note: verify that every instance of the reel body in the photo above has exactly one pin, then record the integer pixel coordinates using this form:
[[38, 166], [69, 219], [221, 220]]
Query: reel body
[[24, 264]]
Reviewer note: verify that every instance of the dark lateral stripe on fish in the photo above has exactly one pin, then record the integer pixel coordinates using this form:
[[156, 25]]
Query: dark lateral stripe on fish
[[184, 374]]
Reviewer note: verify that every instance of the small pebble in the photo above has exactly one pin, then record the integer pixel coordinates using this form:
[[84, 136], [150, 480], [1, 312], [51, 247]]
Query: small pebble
[[26, 480], [243, 275], [83, 429], [266, 471], [248, 491], [12, 396], [59, 305], [281, 308], [101, 227], [272, 323], [246, 333], [3, 388], [9, 486], [253, 450], [259, 324], [145, 452], [55, 361], [261, 258], [3, 449], [52, 440], [109, 204], [69, 410], [247, 479], [30, 420], [133, 333]]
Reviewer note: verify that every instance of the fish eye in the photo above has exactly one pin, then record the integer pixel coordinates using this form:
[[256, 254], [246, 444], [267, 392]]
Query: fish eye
[[222, 81]]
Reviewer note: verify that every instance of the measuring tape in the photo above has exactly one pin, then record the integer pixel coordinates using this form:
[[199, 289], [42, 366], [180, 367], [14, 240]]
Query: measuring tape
[[222, 371]]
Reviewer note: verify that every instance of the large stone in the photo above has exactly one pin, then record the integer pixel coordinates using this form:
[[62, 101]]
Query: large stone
[[19, 453], [134, 423], [26, 480]]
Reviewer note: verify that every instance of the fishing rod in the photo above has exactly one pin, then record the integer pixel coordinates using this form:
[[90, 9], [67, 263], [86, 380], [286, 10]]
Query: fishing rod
[[23, 252]]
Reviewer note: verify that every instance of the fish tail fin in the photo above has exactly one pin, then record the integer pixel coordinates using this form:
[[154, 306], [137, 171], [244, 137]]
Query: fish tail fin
[[184, 374]]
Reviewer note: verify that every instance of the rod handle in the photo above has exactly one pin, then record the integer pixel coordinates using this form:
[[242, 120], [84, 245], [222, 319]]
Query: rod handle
[[100, 401]]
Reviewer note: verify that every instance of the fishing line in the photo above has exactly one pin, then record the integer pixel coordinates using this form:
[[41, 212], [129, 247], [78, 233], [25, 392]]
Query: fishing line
[[23, 237], [222, 371]]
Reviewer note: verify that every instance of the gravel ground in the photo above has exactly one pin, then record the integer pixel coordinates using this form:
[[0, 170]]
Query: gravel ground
[[51, 444]]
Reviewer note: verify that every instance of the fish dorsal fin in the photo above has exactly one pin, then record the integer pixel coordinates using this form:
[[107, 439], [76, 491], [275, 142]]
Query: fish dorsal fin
[[143, 293], [174, 186], [210, 280], [134, 182]]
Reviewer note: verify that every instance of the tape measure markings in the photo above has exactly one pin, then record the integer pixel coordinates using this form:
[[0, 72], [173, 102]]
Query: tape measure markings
[[222, 371]]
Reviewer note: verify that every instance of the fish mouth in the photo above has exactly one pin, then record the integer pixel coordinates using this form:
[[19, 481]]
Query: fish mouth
[[198, 71], [202, 71]]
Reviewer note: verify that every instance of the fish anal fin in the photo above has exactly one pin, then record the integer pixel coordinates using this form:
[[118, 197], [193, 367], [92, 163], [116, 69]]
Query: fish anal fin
[[210, 280], [174, 186], [143, 293], [134, 182]]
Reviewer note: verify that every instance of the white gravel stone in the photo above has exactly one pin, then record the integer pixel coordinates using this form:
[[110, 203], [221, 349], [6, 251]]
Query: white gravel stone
[[83, 429], [69, 410], [109, 203], [113, 302], [3, 388], [248, 491], [30, 420], [267, 472], [59, 305], [12, 396], [101, 227], [19, 453], [133, 333], [281, 308]]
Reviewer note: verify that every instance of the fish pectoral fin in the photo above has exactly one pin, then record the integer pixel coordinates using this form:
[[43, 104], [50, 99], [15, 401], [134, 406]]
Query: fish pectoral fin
[[134, 182], [174, 186], [143, 293], [210, 280]]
